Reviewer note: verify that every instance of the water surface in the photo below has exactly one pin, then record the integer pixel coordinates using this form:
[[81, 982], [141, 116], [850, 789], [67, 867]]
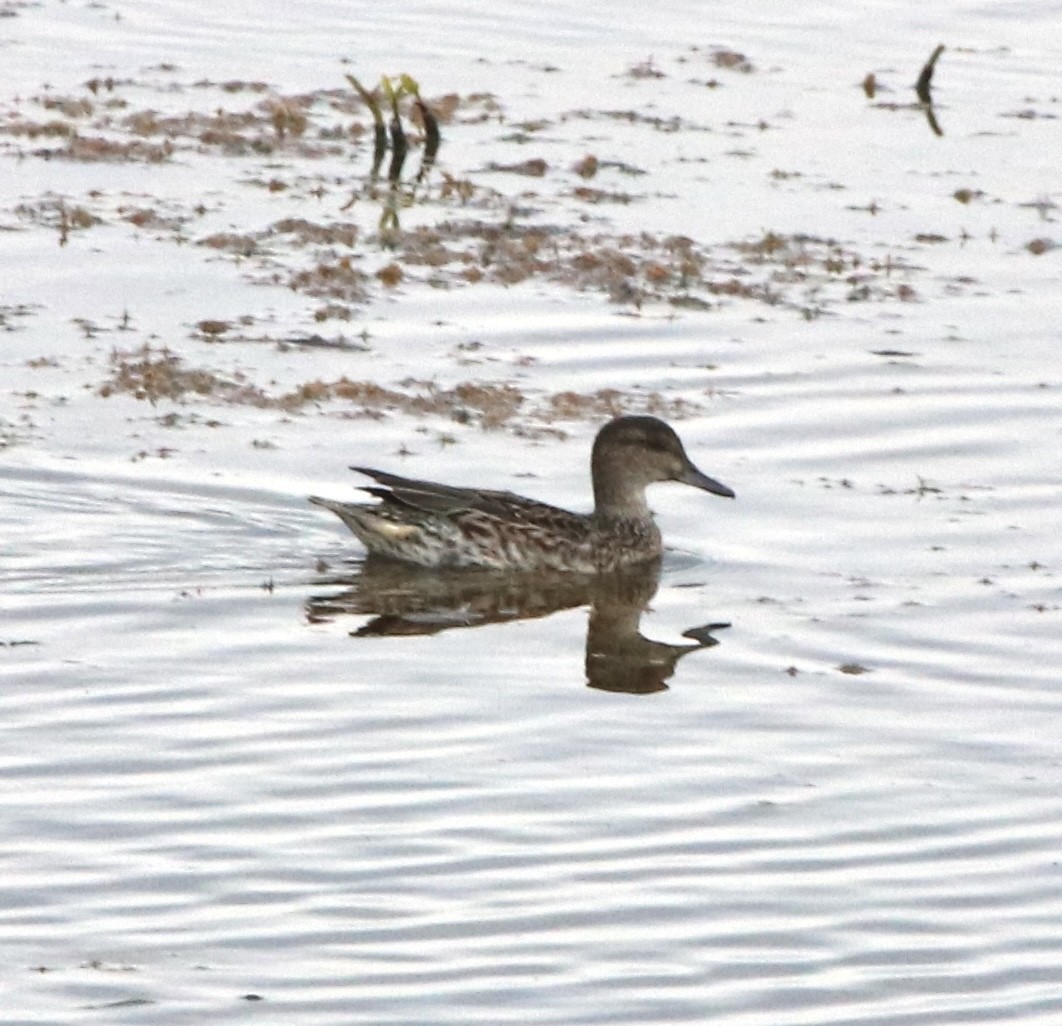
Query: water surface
[[224, 798]]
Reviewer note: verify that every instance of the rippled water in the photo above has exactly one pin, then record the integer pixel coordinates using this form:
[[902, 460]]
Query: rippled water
[[231, 791]]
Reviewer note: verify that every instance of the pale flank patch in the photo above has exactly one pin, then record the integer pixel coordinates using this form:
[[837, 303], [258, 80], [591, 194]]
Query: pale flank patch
[[395, 532]]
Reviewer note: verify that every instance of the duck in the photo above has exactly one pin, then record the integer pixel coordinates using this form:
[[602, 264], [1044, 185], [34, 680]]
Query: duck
[[446, 527]]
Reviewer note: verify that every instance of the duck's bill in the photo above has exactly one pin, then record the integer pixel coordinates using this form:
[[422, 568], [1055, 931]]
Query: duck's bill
[[708, 484]]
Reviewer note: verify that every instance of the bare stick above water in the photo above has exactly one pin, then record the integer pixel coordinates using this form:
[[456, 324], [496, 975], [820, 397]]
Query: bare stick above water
[[922, 86]]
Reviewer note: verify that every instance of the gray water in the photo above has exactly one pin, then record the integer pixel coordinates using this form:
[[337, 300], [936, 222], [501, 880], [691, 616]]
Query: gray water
[[229, 794]]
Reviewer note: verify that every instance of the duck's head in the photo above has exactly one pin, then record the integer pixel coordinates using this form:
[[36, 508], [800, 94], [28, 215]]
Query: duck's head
[[632, 452]]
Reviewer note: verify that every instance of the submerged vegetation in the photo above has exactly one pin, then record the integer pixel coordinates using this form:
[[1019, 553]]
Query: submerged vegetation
[[326, 203], [472, 225], [158, 375]]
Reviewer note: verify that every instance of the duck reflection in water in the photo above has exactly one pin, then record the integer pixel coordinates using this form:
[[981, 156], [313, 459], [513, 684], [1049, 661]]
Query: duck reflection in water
[[402, 599]]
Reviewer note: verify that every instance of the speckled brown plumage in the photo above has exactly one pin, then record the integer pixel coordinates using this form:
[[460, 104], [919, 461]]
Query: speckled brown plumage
[[437, 525]]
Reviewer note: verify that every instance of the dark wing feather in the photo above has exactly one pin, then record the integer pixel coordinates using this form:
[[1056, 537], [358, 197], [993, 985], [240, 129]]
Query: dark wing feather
[[442, 500], [447, 500]]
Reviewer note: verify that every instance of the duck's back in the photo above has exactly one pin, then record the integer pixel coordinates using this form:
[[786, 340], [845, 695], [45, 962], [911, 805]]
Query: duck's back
[[439, 525]]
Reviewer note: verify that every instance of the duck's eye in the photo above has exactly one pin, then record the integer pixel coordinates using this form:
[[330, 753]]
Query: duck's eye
[[658, 444]]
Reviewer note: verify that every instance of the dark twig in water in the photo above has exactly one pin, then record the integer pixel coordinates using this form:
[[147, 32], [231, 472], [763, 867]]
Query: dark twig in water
[[399, 144], [432, 139], [379, 145], [931, 118], [922, 86]]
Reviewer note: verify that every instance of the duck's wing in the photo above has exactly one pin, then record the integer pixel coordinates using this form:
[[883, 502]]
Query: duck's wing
[[443, 500], [449, 501]]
